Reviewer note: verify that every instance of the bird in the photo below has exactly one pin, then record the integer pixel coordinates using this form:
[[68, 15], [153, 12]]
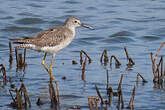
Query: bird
[[51, 40]]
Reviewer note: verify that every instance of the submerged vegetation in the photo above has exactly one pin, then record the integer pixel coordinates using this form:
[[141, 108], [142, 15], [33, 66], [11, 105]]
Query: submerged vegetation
[[21, 99]]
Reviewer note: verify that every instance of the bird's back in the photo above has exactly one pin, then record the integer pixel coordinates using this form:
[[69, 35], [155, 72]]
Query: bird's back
[[50, 37]]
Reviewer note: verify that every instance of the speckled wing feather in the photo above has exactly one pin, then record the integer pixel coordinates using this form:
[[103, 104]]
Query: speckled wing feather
[[50, 37]]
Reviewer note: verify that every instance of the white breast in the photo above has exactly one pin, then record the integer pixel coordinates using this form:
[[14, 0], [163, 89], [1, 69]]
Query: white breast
[[55, 49]]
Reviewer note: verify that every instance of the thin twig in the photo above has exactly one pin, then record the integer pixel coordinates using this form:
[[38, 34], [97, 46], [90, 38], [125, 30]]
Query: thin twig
[[130, 61], [83, 69], [98, 93], [24, 59], [26, 96], [4, 74], [11, 54], [16, 55], [153, 65], [58, 92], [107, 79], [89, 58], [145, 81], [122, 98], [162, 44], [105, 55], [110, 93], [120, 83], [52, 93], [117, 63], [131, 102]]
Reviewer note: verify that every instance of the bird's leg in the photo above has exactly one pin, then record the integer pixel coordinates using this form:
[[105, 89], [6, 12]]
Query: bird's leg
[[43, 63], [50, 67]]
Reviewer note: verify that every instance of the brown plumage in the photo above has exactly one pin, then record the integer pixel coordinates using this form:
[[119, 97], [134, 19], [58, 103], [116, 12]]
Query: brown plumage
[[50, 37]]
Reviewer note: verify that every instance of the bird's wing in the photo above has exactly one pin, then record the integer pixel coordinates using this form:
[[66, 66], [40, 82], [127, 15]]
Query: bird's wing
[[50, 37], [27, 40]]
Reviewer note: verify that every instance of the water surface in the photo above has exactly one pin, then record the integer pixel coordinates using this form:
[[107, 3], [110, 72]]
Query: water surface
[[137, 25]]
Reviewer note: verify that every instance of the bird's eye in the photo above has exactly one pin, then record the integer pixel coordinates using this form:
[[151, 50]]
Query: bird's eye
[[75, 21]]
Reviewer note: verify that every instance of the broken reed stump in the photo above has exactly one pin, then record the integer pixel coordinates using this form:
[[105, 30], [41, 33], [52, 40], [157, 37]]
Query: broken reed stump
[[24, 59], [74, 62], [130, 61], [131, 102], [117, 63], [11, 53], [54, 94], [3, 70], [99, 95], [83, 69], [39, 102], [120, 83], [158, 71], [21, 99], [92, 100], [158, 78], [156, 55], [26, 96], [109, 89], [143, 80], [107, 79], [110, 94], [81, 57], [85, 62], [120, 94], [21, 62], [153, 66], [105, 55]]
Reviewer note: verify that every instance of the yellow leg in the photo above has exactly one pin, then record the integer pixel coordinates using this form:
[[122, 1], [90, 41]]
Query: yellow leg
[[50, 67], [43, 63]]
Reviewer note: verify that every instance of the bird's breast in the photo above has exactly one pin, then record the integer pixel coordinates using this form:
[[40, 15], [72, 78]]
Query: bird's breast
[[56, 48]]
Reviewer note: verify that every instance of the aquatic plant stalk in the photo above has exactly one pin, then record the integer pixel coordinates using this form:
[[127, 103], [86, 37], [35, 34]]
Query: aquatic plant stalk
[[117, 63]]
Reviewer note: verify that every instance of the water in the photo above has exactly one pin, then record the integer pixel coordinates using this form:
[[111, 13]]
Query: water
[[137, 25]]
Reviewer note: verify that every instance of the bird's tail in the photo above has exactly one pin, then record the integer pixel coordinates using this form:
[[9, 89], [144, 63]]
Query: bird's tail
[[21, 40]]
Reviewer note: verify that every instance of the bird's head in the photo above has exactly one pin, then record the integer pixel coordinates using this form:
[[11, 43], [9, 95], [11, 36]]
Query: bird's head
[[74, 22]]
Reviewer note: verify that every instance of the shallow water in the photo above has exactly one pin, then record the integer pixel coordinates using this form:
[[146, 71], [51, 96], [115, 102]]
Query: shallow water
[[137, 25]]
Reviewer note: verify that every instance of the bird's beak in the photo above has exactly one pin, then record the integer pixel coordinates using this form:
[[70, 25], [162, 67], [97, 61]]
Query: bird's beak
[[86, 26]]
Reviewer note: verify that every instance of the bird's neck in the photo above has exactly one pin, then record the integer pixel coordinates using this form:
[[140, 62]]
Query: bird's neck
[[71, 28]]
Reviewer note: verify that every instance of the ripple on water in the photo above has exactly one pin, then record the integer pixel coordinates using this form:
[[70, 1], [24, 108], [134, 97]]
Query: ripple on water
[[119, 37], [122, 33], [91, 38], [159, 31], [21, 29], [91, 8], [111, 48], [29, 21], [7, 17], [56, 22], [72, 2], [71, 11], [28, 14], [35, 5], [2, 45], [72, 97], [150, 38]]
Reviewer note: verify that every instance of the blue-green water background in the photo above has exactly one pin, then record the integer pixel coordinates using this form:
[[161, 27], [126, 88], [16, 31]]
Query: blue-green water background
[[138, 25]]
